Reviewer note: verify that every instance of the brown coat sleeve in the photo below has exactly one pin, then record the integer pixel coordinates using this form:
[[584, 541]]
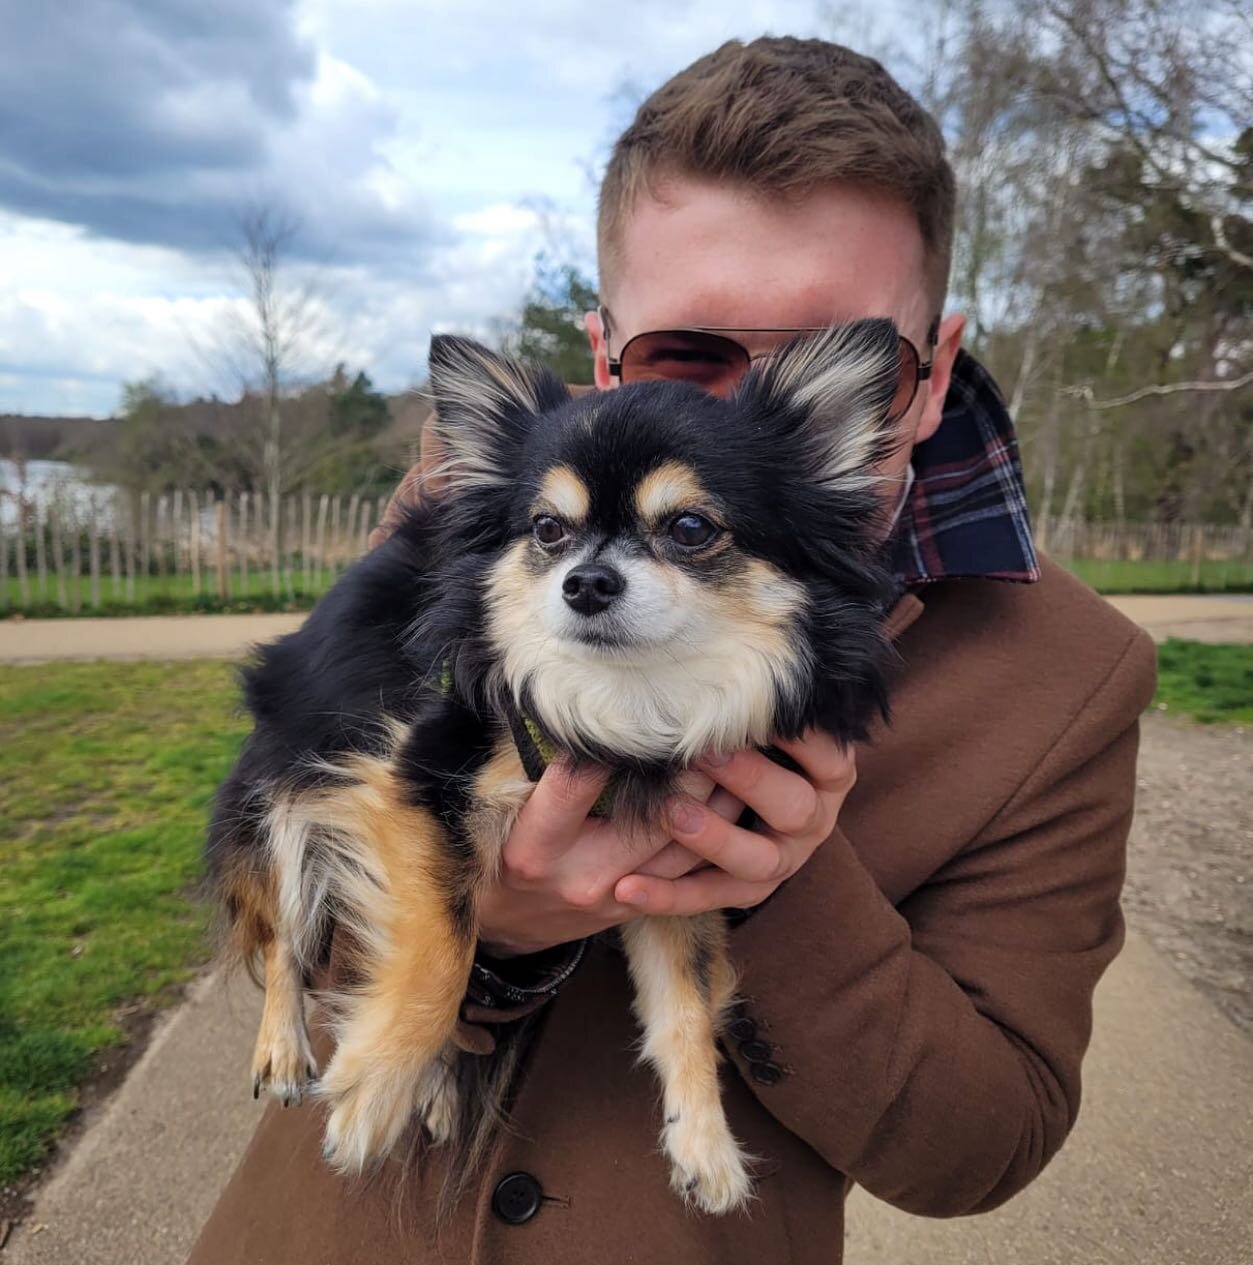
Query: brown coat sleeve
[[931, 1051]]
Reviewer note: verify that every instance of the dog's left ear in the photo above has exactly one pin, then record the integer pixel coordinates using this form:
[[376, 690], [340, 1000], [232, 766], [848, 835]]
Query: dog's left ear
[[839, 384], [485, 405]]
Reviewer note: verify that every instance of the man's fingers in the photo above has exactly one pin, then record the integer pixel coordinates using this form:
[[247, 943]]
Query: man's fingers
[[832, 768], [696, 893], [550, 821], [785, 801], [744, 854]]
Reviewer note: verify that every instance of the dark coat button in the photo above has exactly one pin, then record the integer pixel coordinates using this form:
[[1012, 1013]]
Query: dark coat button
[[765, 1073], [755, 1051], [743, 1029], [517, 1198]]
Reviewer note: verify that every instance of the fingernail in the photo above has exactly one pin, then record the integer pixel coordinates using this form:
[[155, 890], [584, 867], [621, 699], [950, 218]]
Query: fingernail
[[715, 759], [684, 816], [636, 898]]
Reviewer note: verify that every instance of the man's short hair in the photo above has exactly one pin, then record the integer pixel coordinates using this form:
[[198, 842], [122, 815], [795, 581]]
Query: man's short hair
[[782, 117]]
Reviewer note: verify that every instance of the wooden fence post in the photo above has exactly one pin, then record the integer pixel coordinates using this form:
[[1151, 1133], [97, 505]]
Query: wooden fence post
[[93, 537], [176, 517], [275, 582], [115, 552], [220, 524], [323, 506], [1198, 540], [242, 537], [41, 550], [58, 555], [193, 543], [290, 541], [145, 537], [335, 535], [4, 556], [76, 566], [354, 505], [23, 580], [306, 541]]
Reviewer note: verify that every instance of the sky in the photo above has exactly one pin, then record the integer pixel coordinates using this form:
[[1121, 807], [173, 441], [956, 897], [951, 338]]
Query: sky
[[424, 152]]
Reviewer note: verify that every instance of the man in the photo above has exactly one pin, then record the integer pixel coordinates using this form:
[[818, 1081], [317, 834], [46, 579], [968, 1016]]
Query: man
[[927, 917]]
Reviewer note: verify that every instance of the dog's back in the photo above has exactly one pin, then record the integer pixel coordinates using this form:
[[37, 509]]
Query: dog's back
[[315, 694]]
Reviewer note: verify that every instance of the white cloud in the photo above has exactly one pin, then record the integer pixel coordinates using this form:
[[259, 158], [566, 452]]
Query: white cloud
[[427, 151]]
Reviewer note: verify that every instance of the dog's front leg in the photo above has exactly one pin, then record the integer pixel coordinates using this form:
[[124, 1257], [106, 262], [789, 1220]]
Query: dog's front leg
[[282, 1061], [415, 923], [683, 983]]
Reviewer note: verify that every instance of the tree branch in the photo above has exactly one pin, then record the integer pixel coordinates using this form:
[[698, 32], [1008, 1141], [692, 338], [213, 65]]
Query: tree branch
[[1085, 394], [1237, 257]]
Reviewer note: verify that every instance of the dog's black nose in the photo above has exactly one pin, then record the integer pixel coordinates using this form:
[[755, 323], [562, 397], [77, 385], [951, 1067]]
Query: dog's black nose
[[590, 588]]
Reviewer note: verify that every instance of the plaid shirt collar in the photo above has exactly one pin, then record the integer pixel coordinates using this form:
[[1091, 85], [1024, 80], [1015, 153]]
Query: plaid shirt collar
[[965, 515]]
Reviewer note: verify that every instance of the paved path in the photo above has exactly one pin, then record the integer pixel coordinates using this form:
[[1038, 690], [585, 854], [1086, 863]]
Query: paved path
[[1157, 1172], [140, 637], [229, 636]]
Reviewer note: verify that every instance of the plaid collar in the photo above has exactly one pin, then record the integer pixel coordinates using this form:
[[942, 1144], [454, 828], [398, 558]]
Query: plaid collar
[[965, 516]]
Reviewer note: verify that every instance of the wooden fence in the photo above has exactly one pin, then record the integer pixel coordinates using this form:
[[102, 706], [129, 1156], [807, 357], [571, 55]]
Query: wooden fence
[[1192, 543], [88, 550]]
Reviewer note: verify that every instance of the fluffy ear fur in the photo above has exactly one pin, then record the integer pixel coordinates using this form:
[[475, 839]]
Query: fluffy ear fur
[[484, 406], [842, 381]]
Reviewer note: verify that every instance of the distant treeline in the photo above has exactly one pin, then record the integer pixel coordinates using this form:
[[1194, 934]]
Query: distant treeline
[[49, 438]]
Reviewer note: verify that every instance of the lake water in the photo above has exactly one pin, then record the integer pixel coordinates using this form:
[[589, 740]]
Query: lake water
[[43, 482]]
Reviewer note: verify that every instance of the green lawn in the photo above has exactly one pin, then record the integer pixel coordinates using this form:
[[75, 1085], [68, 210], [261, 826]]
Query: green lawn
[[165, 594], [1207, 683], [106, 771], [170, 594], [1162, 577]]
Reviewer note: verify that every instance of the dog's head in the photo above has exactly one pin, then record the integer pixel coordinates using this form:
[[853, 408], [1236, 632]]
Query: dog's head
[[658, 572]]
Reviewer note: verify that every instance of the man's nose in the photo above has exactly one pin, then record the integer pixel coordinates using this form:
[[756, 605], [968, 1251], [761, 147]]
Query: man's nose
[[590, 587]]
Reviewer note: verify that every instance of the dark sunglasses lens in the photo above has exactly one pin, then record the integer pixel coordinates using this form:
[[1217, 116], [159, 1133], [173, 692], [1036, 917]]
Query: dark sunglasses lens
[[706, 360], [906, 380]]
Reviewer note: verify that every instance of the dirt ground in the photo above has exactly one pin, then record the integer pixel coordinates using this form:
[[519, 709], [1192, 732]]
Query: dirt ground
[[1190, 863]]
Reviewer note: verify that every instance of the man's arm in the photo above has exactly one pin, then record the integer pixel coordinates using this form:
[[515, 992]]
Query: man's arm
[[932, 1051]]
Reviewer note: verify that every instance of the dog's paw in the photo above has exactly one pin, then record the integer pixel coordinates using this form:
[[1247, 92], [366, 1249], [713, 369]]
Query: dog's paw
[[372, 1101], [708, 1168], [283, 1064], [438, 1101]]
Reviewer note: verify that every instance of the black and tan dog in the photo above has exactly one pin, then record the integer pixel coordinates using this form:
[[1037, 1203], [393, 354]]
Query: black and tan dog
[[634, 577]]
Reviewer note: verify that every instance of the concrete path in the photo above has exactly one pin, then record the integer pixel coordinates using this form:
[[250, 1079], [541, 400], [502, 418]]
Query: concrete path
[[1157, 1172], [230, 636], [1192, 617], [145, 1173], [141, 637]]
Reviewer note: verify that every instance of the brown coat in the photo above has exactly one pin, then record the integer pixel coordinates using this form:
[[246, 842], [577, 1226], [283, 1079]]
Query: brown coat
[[918, 997]]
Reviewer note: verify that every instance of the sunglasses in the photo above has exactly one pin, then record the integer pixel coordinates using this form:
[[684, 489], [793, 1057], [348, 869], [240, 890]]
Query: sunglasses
[[706, 357]]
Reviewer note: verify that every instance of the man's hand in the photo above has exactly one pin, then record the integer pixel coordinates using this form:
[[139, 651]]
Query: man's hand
[[797, 813], [565, 876], [559, 866]]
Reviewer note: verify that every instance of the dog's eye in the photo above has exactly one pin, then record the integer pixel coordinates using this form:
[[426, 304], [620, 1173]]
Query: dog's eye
[[691, 530], [549, 530]]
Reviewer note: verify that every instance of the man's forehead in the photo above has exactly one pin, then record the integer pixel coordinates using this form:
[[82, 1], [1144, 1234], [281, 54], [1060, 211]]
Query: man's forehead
[[709, 255]]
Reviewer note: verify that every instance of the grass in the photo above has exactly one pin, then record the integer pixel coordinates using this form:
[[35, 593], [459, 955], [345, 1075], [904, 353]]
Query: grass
[[1115, 576], [165, 595], [1207, 682], [106, 772], [174, 594]]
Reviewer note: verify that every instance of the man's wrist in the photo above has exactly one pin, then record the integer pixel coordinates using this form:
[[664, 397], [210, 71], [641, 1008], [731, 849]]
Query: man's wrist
[[521, 977]]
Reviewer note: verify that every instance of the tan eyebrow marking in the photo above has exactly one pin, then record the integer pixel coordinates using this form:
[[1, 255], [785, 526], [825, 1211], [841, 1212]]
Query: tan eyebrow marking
[[565, 494], [670, 487]]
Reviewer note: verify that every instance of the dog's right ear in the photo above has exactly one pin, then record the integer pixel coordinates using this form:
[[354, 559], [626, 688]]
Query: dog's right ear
[[485, 405]]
